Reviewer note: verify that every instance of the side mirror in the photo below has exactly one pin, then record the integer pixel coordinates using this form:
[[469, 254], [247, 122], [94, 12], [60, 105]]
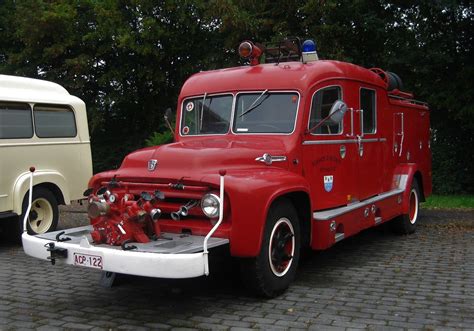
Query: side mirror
[[168, 114], [336, 114], [167, 117]]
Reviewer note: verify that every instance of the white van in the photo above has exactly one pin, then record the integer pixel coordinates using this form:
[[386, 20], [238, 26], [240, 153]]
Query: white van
[[41, 125]]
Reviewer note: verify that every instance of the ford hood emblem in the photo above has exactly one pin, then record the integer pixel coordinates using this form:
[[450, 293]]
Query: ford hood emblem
[[152, 164]]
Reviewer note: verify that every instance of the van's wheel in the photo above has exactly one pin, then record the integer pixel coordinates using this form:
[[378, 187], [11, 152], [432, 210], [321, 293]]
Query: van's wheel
[[406, 223], [272, 271], [44, 213]]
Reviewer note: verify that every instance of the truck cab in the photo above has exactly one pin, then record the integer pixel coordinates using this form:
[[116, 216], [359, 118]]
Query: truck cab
[[267, 159]]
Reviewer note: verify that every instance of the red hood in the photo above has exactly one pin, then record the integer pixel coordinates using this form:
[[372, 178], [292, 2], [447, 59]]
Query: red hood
[[196, 158]]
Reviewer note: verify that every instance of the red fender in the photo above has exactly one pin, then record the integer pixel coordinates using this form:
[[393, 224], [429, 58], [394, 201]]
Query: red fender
[[408, 169], [251, 193]]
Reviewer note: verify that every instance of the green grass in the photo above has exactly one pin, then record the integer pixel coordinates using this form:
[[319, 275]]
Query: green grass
[[449, 202]]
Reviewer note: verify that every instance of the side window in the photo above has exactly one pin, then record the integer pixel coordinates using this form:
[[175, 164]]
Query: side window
[[320, 107], [54, 121], [367, 103], [15, 120]]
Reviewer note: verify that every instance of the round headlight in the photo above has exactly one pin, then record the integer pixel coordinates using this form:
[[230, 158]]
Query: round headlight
[[210, 205]]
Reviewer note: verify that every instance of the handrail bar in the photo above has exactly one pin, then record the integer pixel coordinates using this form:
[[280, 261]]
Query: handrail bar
[[413, 101], [30, 198], [221, 217]]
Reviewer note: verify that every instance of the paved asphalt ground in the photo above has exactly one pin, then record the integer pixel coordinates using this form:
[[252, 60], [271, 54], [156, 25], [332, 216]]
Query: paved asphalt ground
[[375, 280]]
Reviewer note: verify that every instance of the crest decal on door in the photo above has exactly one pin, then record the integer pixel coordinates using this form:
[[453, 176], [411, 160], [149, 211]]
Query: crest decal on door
[[328, 182]]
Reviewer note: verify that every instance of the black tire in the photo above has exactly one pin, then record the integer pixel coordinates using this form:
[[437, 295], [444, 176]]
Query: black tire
[[270, 274], [40, 222], [406, 223]]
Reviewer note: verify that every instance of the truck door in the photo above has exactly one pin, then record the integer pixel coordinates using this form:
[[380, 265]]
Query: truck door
[[328, 155], [369, 145]]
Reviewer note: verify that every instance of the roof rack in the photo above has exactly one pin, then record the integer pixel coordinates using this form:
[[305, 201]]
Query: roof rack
[[288, 49]]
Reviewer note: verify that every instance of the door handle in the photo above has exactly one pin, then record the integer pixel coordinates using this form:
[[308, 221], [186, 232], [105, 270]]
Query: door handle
[[359, 145]]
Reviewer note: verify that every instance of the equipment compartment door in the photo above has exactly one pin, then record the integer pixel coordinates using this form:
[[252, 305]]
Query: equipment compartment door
[[369, 144]]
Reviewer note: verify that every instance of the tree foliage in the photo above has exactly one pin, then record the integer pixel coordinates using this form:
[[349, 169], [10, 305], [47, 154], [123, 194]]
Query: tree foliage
[[128, 58]]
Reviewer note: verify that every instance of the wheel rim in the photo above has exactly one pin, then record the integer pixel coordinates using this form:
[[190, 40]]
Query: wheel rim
[[413, 206], [282, 247], [41, 215]]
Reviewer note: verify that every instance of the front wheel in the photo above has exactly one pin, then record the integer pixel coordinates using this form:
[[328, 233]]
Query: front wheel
[[271, 272], [406, 223], [44, 213]]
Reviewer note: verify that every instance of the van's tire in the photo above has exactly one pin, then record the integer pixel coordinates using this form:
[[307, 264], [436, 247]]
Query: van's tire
[[271, 272], [406, 223], [44, 213]]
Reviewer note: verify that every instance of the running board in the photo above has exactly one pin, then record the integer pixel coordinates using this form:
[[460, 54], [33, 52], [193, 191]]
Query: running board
[[167, 243], [330, 214], [338, 237], [378, 220]]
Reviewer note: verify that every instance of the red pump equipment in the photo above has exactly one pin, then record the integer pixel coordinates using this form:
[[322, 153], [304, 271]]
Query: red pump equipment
[[118, 218]]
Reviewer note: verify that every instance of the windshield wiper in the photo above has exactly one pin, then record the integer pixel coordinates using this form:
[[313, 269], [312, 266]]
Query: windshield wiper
[[253, 105], [202, 110]]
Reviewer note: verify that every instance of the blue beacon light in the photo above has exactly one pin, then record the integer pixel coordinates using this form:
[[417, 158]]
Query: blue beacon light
[[309, 51], [309, 46]]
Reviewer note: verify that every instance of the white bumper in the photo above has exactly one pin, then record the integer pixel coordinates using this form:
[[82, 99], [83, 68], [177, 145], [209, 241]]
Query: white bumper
[[126, 262]]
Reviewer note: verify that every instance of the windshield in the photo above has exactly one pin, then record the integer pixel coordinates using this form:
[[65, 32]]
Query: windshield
[[206, 115], [265, 112]]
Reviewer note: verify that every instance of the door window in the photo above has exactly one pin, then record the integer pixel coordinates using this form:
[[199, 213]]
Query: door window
[[367, 103], [320, 107]]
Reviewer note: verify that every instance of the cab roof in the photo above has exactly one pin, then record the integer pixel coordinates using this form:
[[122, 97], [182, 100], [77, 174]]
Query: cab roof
[[283, 76], [14, 88]]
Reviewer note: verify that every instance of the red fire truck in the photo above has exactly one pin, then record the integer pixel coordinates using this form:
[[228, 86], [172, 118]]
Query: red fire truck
[[285, 153]]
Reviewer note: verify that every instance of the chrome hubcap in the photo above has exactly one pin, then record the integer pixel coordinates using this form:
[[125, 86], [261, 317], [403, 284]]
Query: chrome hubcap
[[413, 206], [282, 247]]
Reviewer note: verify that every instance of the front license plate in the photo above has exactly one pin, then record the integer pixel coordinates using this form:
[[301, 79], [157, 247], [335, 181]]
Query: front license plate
[[86, 260]]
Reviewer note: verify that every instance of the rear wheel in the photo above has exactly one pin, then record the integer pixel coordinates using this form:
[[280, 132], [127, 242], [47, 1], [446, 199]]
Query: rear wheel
[[44, 213], [271, 272], [406, 223]]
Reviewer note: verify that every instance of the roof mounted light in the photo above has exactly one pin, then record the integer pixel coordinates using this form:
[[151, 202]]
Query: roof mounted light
[[245, 49], [309, 46], [309, 51], [249, 51]]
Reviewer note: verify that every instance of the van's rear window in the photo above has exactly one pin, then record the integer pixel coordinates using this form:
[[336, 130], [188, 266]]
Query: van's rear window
[[15, 121], [54, 121]]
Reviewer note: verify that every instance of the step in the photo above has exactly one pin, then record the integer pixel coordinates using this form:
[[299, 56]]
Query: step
[[339, 236]]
